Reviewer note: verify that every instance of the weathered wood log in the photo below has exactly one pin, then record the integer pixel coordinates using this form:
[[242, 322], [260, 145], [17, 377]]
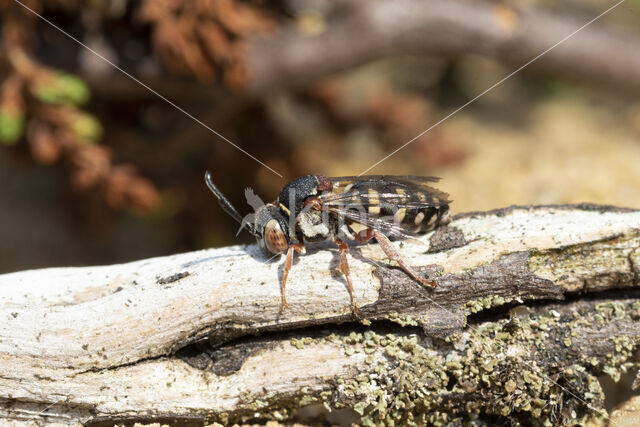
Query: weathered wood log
[[533, 303], [628, 414]]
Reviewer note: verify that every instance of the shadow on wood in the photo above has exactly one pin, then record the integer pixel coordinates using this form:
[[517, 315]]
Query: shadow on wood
[[533, 304]]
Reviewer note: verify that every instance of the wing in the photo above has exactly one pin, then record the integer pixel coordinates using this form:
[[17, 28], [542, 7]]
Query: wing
[[398, 206], [400, 191]]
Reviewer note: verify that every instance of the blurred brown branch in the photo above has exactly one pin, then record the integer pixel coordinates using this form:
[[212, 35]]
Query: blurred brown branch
[[369, 30]]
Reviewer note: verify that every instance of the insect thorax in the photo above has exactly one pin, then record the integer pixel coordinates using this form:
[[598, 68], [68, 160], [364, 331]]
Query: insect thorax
[[296, 191], [317, 225]]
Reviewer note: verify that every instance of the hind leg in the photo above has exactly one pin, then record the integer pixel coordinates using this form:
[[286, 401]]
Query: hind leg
[[393, 254], [363, 236]]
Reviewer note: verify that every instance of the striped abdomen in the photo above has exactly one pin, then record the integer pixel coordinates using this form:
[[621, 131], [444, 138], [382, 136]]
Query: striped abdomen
[[397, 208], [422, 220], [414, 220]]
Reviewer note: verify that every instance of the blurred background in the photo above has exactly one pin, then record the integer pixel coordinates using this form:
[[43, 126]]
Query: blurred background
[[95, 168]]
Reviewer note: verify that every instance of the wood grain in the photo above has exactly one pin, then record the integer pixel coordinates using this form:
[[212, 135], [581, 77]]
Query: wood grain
[[202, 334]]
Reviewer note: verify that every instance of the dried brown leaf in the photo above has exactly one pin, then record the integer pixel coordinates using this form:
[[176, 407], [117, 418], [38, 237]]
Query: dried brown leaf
[[45, 148]]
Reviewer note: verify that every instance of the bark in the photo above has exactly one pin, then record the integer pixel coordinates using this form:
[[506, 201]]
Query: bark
[[533, 304]]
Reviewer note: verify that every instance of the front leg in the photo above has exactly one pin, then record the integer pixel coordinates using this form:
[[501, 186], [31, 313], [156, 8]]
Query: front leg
[[393, 254], [344, 267], [298, 247]]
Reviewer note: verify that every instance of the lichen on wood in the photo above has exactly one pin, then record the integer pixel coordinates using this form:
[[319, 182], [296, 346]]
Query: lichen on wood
[[533, 304]]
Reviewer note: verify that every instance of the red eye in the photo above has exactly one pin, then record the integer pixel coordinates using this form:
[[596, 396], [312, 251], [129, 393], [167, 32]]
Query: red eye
[[274, 238]]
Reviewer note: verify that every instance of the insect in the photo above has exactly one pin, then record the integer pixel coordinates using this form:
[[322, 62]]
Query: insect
[[315, 207]]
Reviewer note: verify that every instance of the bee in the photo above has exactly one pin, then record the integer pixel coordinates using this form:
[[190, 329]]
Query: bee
[[359, 208]]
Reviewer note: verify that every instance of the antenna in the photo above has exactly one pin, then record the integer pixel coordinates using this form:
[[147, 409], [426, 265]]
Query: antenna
[[225, 204]]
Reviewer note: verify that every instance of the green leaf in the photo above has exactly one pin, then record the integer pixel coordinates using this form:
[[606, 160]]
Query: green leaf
[[87, 127], [63, 89], [11, 126]]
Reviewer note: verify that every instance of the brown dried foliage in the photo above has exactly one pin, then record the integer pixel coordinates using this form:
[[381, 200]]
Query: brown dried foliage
[[205, 38], [50, 131]]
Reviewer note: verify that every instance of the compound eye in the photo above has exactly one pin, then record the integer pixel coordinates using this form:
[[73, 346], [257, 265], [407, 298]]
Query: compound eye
[[274, 238]]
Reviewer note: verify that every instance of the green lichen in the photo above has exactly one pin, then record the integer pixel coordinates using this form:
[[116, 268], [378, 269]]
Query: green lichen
[[299, 343], [525, 370], [411, 382], [578, 266], [484, 303], [402, 319]]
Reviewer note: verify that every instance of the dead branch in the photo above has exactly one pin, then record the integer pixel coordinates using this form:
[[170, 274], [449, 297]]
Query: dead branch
[[369, 30], [161, 337]]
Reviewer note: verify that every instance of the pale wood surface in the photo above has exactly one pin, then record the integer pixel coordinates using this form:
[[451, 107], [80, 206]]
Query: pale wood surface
[[80, 344]]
